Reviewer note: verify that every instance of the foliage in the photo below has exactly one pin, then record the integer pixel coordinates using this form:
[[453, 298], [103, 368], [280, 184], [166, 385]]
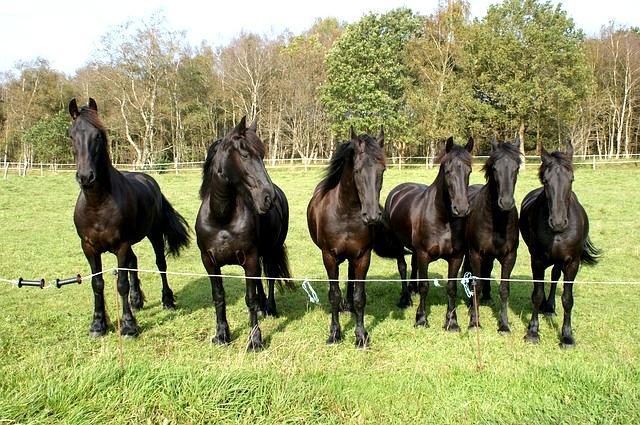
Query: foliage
[[49, 138], [366, 75], [529, 67]]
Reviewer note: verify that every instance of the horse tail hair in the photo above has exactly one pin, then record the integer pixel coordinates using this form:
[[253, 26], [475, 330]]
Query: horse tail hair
[[174, 228], [276, 266], [590, 254], [385, 243]]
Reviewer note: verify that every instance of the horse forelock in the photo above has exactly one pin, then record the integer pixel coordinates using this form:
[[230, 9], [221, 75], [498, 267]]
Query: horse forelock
[[456, 151], [557, 158], [89, 115], [503, 150]]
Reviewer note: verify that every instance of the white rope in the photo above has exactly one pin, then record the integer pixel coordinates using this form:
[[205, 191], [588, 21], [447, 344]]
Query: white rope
[[466, 279], [313, 297]]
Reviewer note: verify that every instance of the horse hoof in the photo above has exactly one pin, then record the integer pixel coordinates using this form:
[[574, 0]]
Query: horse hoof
[[451, 326], [129, 331], [362, 343], [255, 347], [334, 338], [567, 342], [97, 333], [169, 306], [504, 330], [532, 338], [474, 326], [421, 323]]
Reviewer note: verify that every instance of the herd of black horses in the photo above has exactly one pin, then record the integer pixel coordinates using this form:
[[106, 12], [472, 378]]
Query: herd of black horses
[[244, 217]]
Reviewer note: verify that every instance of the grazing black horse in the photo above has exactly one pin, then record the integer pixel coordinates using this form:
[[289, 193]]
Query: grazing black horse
[[243, 220], [113, 212], [343, 209], [430, 221], [555, 228], [492, 226]]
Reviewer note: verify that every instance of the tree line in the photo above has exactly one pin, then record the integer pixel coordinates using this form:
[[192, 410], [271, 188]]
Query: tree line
[[523, 69]]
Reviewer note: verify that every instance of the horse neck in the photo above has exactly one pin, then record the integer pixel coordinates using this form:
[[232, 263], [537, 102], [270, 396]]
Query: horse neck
[[347, 191], [441, 195], [222, 198]]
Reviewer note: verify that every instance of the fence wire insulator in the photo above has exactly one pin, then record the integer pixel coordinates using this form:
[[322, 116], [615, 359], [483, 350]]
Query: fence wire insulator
[[26, 282], [62, 282]]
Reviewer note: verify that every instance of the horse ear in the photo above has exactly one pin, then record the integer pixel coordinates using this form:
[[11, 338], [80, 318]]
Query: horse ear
[[352, 133], [569, 149], [92, 104], [469, 145], [494, 143], [544, 155], [516, 141], [381, 136], [73, 108], [241, 128], [448, 145], [254, 125]]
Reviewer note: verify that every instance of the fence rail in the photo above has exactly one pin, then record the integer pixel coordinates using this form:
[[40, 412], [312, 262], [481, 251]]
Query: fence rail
[[24, 168]]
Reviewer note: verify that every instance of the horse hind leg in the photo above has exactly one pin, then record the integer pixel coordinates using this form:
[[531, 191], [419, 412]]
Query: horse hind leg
[[168, 301], [136, 295], [347, 302], [548, 307], [537, 297], [405, 294]]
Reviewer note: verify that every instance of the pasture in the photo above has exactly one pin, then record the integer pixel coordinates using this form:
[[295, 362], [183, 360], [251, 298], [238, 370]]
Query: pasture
[[51, 371]]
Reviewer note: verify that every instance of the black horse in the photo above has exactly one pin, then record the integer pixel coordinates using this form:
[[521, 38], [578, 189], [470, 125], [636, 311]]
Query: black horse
[[430, 221], [492, 226], [343, 209], [555, 228], [243, 219], [113, 212]]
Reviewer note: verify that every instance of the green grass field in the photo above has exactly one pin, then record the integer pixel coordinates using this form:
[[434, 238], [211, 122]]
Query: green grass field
[[51, 371]]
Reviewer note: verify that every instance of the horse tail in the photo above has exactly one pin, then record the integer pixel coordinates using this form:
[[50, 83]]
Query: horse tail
[[174, 229], [385, 243], [590, 254], [276, 266]]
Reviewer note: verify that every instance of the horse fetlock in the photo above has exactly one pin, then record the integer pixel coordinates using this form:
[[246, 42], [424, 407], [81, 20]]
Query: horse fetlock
[[98, 327], [335, 335], [421, 321], [567, 341], [129, 328], [362, 339], [532, 337]]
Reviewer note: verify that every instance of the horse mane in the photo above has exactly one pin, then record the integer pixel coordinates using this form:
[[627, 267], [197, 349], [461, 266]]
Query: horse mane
[[334, 171], [559, 158], [207, 169], [343, 153], [503, 149]]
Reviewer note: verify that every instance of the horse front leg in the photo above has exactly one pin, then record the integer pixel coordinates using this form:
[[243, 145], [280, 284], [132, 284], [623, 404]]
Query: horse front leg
[[99, 324], [451, 318], [335, 296], [253, 279], [537, 297], [128, 324], [405, 294], [422, 262], [549, 304], [570, 272], [361, 266], [506, 268], [223, 334]]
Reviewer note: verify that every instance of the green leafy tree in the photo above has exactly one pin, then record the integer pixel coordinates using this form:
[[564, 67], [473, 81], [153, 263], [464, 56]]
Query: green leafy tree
[[529, 71], [366, 75], [49, 139]]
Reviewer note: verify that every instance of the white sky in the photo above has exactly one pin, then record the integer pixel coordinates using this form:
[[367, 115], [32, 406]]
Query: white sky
[[66, 32]]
